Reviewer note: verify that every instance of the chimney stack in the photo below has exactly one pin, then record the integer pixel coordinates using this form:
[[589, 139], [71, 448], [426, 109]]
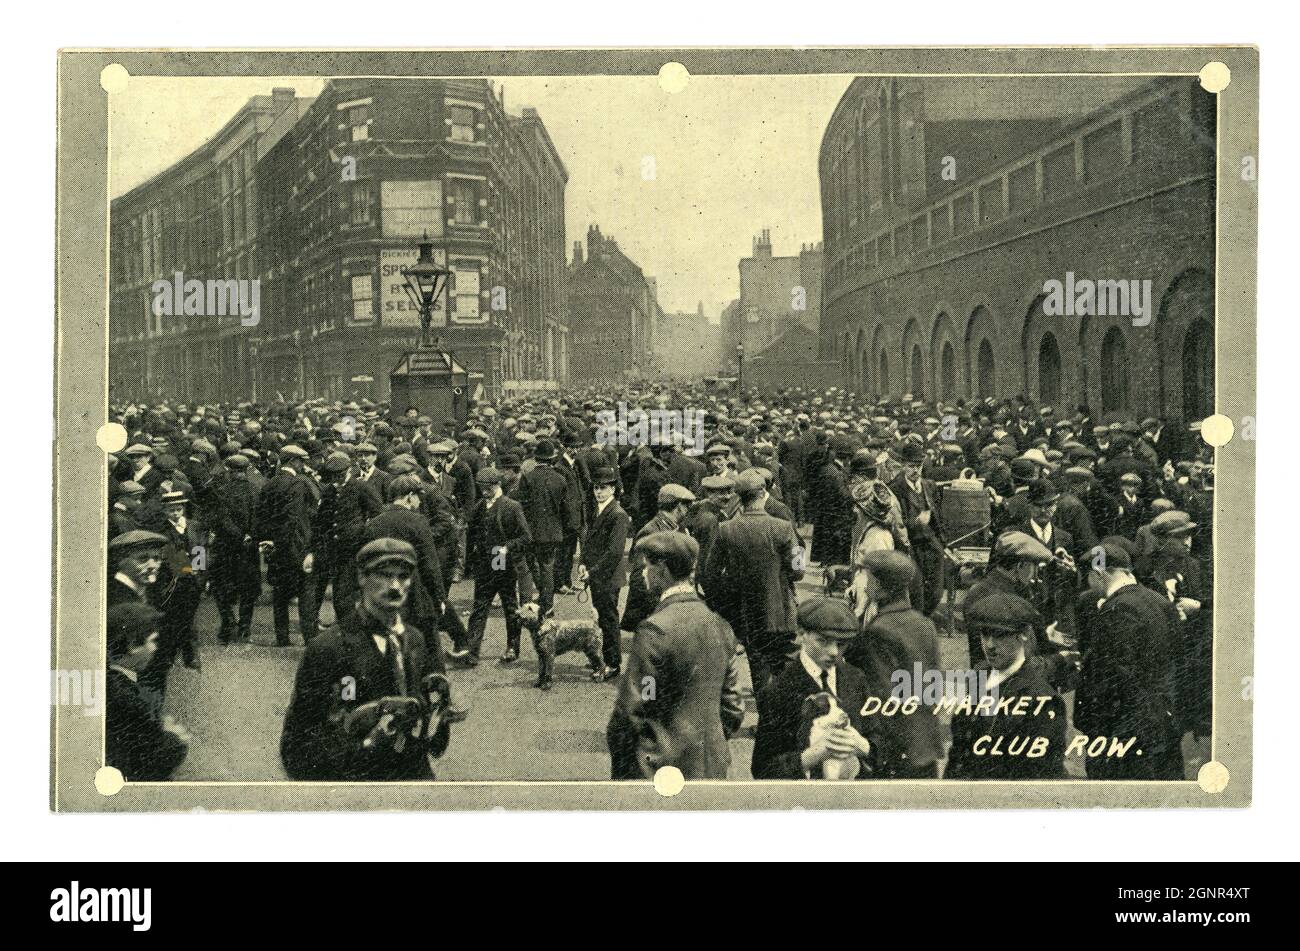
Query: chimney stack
[[577, 253]]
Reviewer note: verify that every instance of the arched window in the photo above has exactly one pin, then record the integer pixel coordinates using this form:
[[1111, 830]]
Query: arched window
[[882, 379], [947, 372], [1198, 371], [918, 373], [1049, 371], [986, 376], [1114, 372]]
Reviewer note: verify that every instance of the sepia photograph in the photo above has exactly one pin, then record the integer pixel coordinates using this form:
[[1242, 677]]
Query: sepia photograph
[[711, 426]]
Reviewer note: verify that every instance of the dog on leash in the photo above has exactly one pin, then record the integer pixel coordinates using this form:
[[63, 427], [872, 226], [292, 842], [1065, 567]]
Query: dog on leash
[[552, 638]]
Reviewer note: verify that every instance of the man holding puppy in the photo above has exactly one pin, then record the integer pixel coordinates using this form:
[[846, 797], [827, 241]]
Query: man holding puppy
[[367, 704], [784, 747]]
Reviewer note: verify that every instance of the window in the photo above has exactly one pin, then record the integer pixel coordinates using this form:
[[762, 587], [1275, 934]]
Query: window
[[1114, 372], [462, 123], [463, 197], [1103, 153], [1022, 190], [359, 120], [1058, 172], [362, 298], [464, 293], [409, 209], [362, 198]]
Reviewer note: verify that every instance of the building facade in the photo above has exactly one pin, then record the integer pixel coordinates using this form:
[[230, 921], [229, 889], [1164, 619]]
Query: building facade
[[613, 312], [346, 191], [777, 295], [950, 210], [200, 219], [688, 346]]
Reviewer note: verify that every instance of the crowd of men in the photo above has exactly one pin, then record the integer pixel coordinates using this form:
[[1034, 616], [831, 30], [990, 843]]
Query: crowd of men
[[1097, 588]]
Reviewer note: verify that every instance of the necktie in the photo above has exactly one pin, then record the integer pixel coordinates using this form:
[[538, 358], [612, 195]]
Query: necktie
[[398, 662], [826, 683]]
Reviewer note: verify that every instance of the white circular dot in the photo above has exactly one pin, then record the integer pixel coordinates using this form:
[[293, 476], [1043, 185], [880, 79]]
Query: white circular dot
[[109, 780], [111, 437], [113, 78], [1212, 777], [1217, 430], [673, 77], [669, 781], [1215, 77]]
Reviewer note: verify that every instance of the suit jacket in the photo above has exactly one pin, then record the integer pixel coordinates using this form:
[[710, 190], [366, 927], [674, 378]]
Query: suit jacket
[[640, 603], [284, 517], [685, 471], [341, 669], [750, 574], [777, 740], [490, 530], [378, 480], [427, 591], [688, 654], [1128, 682], [543, 492], [899, 638], [974, 735], [341, 519], [574, 510], [134, 740], [913, 504], [602, 547]]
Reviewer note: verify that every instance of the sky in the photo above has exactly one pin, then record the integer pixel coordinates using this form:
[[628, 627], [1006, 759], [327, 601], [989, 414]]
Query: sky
[[682, 181]]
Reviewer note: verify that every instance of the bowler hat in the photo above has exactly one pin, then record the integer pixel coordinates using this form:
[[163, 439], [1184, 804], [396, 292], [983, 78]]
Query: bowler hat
[[604, 475], [1042, 492], [912, 453]]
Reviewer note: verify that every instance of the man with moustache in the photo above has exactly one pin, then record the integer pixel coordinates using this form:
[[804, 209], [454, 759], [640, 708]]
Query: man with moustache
[[361, 709]]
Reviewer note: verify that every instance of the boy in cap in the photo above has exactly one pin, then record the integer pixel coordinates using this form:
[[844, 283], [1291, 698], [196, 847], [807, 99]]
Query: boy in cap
[[1017, 727], [367, 698], [137, 741], [826, 625], [689, 654]]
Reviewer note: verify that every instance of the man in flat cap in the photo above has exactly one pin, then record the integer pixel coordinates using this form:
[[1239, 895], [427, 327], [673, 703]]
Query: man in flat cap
[[135, 558], [604, 565], [673, 503], [284, 522], [784, 747], [346, 505], [497, 542], [177, 593], [143, 745], [1128, 636], [367, 702], [1016, 727], [749, 578], [543, 493], [897, 637], [236, 572], [680, 700]]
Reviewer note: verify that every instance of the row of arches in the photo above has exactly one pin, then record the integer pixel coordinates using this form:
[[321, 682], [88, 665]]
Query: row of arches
[[1165, 367]]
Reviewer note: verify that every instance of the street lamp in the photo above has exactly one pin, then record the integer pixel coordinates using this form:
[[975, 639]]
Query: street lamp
[[425, 282], [740, 368]]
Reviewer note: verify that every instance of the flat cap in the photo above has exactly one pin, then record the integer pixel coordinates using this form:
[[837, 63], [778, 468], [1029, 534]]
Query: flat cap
[[381, 550], [1018, 546], [675, 547], [337, 463], [718, 448], [1130, 478], [831, 617], [367, 447], [1174, 523], [136, 538], [131, 487], [488, 476], [138, 449], [716, 483], [751, 480], [239, 462], [672, 492], [1111, 554], [1001, 611], [892, 569], [293, 452], [444, 448]]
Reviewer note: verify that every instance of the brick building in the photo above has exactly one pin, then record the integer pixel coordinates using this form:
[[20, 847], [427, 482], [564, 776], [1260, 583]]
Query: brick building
[[948, 206], [345, 191], [777, 295], [202, 218], [688, 346], [613, 312]]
